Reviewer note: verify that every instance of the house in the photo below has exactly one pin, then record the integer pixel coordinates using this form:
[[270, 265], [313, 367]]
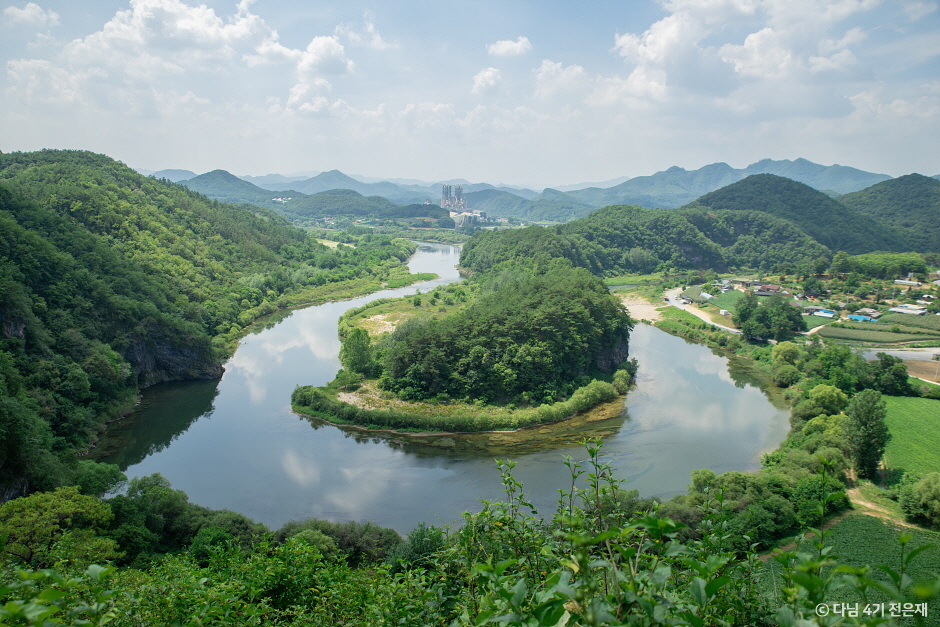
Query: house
[[868, 311], [773, 289], [723, 312], [906, 282], [825, 313], [859, 318], [913, 310]]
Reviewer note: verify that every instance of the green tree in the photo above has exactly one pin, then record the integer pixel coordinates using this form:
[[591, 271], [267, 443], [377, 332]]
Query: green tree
[[867, 432], [786, 352], [920, 499], [356, 352], [841, 263], [48, 527]]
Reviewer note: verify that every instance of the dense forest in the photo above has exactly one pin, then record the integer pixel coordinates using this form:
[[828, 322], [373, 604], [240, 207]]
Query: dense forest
[[528, 338], [826, 220], [910, 204], [629, 239], [113, 281], [764, 222]]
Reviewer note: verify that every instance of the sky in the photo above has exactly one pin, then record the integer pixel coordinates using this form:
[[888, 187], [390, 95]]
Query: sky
[[525, 92]]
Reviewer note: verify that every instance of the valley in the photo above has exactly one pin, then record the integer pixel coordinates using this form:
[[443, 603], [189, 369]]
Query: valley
[[219, 313]]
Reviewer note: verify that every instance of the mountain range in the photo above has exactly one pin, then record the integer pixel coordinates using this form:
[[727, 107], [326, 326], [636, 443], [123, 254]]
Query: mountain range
[[667, 189]]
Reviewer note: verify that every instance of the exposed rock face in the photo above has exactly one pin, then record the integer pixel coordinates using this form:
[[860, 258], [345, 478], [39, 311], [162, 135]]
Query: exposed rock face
[[12, 328], [613, 356], [155, 357]]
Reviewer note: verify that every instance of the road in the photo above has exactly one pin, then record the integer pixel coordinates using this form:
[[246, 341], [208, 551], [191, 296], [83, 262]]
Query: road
[[672, 298]]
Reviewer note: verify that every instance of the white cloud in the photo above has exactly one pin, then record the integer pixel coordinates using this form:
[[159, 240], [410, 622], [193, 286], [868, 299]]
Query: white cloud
[[160, 56], [32, 14], [763, 55], [367, 35], [486, 81], [916, 10], [551, 77], [324, 54], [509, 48]]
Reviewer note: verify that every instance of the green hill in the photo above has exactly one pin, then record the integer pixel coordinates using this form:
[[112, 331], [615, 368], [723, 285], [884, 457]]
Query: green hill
[[336, 202], [111, 281], [631, 239], [226, 187], [550, 206], [826, 220], [909, 204]]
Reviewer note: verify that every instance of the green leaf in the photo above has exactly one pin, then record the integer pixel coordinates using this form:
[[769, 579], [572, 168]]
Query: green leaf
[[698, 591]]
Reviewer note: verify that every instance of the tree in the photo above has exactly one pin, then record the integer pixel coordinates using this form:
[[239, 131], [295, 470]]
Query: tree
[[841, 264], [867, 432], [48, 527], [920, 498], [356, 352]]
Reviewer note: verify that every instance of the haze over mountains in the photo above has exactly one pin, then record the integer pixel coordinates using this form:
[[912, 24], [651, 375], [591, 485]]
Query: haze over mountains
[[667, 189]]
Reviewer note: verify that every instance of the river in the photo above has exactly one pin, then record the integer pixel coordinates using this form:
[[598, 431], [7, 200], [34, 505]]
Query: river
[[234, 443]]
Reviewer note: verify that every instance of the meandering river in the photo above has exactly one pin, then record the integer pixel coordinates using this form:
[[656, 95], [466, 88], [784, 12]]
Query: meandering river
[[234, 443]]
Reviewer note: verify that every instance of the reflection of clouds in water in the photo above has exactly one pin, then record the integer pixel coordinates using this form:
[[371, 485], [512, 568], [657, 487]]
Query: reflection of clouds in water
[[304, 472], [708, 364], [255, 360], [371, 477]]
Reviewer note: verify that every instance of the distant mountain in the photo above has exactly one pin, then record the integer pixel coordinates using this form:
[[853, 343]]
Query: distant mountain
[[676, 186], [226, 187], [664, 190], [600, 184], [173, 175], [826, 220], [668, 189], [549, 206], [346, 202], [334, 179], [910, 204], [272, 179]]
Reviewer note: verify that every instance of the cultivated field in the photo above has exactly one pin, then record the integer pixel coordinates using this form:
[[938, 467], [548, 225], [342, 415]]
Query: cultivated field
[[914, 424]]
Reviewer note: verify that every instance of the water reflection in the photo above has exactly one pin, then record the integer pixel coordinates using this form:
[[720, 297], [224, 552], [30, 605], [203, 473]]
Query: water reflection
[[173, 408], [235, 444]]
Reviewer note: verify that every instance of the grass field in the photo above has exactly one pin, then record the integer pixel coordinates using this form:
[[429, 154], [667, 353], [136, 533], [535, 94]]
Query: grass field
[[860, 540], [914, 424], [728, 300], [925, 322], [635, 279], [816, 321], [864, 335]]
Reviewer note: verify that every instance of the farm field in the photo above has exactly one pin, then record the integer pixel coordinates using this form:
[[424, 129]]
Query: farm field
[[914, 424], [876, 337], [925, 322], [860, 540]]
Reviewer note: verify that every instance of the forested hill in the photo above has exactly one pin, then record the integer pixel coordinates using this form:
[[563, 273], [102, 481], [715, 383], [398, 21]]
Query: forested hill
[[110, 281], [910, 204], [826, 220], [226, 187], [631, 239]]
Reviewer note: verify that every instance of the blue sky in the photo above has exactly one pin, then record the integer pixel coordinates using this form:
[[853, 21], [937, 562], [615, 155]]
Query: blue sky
[[518, 92]]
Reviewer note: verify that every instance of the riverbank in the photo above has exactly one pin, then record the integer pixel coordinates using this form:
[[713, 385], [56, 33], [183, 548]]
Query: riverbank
[[370, 409]]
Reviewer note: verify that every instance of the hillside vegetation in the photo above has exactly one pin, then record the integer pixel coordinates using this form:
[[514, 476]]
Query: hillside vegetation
[[826, 220], [632, 240], [909, 204], [112, 281]]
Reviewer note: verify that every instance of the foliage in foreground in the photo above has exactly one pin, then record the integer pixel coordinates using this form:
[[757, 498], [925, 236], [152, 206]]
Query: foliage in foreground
[[603, 559]]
